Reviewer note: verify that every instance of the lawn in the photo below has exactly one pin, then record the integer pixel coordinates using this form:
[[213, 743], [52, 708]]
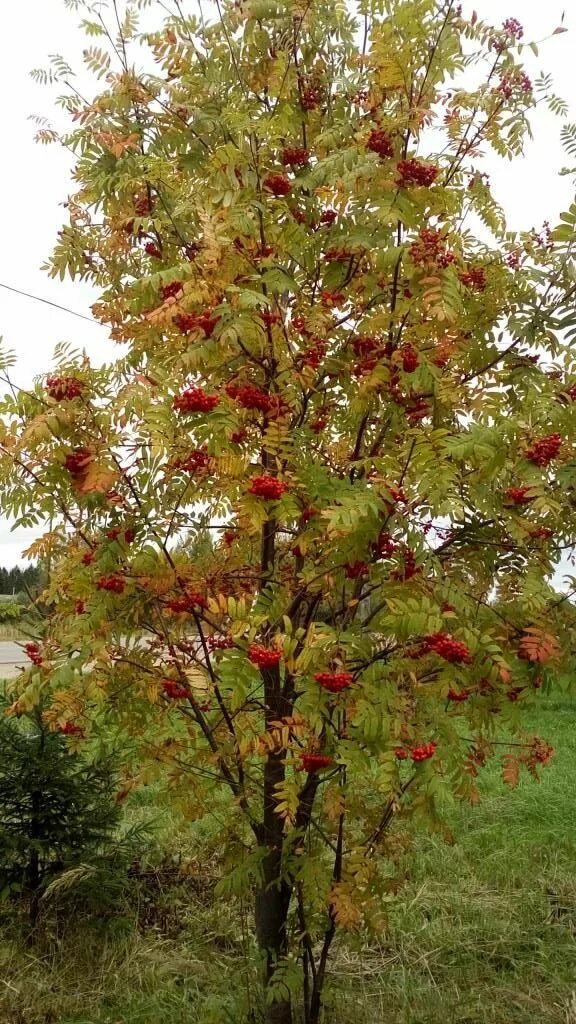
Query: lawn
[[481, 931]]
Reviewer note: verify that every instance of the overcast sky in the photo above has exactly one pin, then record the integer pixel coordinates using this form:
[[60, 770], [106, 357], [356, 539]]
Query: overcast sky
[[34, 179]]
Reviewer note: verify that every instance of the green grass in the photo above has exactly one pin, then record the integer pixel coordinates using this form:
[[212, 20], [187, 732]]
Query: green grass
[[483, 930]]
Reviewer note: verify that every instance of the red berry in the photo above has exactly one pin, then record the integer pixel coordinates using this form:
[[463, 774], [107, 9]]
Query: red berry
[[268, 487], [196, 461], [475, 278], [195, 399], [400, 753], [33, 653], [174, 691], [315, 762], [219, 643], [447, 647], [541, 533], [71, 729], [423, 752], [380, 142], [415, 172], [77, 462], [334, 682], [143, 205], [88, 558], [457, 696], [64, 389], [545, 450], [410, 358], [171, 290], [520, 495], [151, 249], [278, 184], [355, 570], [189, 603], [328, 217], [114, 584], [295, 156], [430, 248], [311, 95], [264, 657], [79, 608]]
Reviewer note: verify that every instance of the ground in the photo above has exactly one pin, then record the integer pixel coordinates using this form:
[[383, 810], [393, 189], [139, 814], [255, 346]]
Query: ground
[[481, 931]]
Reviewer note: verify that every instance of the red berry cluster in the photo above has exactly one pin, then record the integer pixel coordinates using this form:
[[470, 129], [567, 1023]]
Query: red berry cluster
[[187, 322], [295, 156], [195, 462], [409, 568], [328, 217], [64, 389], [458, 696], [269, 319], [319, 424], [151, 249], [355, 570], [515, 83], [189, 603], [170, 291], [423, 752], [447, 647], [380, 142], [173, 690], [278, 184], [313, 356], [400, 753], [194, 399], [315, 762], [415, 172], [410, 358], [264, 657], [334, 682], [520, 495], [77, 462], [33, 652], [513, 27], [541, 533], [513, 259], [143, 205], [114, 584], [475, 278], [430, 247], [384, 546], [219, 643], [311, 95], [71, 729], [543, 451], [268, 487], [79, 607], [249, 396], [307, 514]]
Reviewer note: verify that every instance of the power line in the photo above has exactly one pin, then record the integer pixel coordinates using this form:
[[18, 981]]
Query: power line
[[37, 298]]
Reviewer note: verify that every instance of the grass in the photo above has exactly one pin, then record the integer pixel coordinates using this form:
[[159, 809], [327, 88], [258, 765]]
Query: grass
[[483, 930]]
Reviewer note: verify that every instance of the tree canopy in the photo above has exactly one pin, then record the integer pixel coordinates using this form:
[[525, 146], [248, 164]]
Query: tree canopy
[[304, 527]]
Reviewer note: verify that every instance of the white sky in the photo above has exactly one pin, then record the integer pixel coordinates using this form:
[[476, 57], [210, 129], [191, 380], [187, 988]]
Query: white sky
[[34, 179]]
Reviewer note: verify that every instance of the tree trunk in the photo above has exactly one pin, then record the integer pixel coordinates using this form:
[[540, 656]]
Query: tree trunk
[[271, 911], [33, 872]]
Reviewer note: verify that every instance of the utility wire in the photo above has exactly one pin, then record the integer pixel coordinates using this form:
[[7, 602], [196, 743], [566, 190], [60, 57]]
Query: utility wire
[[47, 302]]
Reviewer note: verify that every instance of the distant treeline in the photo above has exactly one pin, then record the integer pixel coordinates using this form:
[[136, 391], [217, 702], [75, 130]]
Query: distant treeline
[[17, 580]]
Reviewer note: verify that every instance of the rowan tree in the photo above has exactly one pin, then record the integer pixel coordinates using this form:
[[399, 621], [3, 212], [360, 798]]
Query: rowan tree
[[304, 526]]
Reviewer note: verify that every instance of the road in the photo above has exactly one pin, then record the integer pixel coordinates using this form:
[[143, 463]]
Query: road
[[12, 659]]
